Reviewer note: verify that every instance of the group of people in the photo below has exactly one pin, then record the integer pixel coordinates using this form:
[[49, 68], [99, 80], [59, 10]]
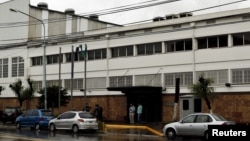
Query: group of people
[[132, 111], [97, 111]]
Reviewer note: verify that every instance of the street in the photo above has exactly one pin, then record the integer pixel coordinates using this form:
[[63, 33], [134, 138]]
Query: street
[[9, 133]]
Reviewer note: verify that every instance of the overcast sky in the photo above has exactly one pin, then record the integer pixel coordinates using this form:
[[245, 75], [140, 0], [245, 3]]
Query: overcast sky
[[85, 6]]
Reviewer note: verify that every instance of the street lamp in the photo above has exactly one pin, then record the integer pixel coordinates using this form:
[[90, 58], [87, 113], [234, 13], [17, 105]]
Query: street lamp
[[44, 54]]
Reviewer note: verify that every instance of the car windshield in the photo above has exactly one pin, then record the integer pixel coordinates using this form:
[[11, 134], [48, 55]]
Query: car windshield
[[86, 115], [219, 117], [47, 113]]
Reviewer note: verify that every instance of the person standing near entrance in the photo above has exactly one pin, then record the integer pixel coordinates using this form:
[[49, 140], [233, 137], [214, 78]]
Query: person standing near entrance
[[139, 112], [132, 113]]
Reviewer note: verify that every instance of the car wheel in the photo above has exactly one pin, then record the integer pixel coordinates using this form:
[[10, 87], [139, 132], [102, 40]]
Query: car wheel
[[18, 126], [75, 128], [170, 133], [37, 126], [52, 127]]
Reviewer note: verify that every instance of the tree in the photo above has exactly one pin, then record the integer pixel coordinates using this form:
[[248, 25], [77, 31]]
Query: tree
[[202, 89], [52, 97], [21, 92]]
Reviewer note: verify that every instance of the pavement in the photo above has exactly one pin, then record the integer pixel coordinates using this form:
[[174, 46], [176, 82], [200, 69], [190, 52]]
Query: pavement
[[144, 128]]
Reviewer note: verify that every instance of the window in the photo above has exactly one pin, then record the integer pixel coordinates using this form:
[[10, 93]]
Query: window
[[53, 59], [77, 84], [51, 83], [97, 54], [149, 48], [185, 105], [213, 42], [186, 79], [37, 85], [17, 66], [179, 45], [37, 61], [120, 81], [4, 68], [241, 39], [96, 83], [241, 76], [122, 51], [148, 80], [218, 76]]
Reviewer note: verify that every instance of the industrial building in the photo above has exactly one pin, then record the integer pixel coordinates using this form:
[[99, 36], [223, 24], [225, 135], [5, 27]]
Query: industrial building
[[130, 64]]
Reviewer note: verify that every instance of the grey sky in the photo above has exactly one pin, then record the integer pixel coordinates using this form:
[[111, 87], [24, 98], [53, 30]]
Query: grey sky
[[84, 6]]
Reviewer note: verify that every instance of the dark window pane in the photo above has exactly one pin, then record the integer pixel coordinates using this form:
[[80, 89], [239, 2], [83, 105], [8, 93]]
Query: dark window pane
[[202, 43], [91, 55], [104, 53], [158, 48], [185, 105], [237, 39], [114, 52], [197, 105], [122, 51], [223, 40], [212, 42], [130, 51], [149, 49], [98, 54], [247, 38], [188, 45], [141, 49], [179, 46], [170, 46]]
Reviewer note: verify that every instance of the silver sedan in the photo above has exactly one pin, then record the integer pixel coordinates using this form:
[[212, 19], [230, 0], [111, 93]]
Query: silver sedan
[[74, 121], [194, 125]]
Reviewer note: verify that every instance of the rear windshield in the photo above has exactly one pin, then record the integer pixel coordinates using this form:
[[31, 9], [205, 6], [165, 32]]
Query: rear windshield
[[47, 113], [86, 115]]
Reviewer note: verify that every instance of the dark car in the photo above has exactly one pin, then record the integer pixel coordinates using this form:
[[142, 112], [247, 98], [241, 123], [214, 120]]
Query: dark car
[[34, 118], [10, 114]]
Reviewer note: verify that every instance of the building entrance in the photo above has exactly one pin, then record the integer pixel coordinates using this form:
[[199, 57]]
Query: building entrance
[[149, 97]]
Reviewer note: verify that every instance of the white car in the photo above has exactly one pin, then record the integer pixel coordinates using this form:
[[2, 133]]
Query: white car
[[74, 121], [195, 124]]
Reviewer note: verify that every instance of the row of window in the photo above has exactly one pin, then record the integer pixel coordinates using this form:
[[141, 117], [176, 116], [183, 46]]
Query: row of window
[[220, 77], [150, 48], [17, 65]]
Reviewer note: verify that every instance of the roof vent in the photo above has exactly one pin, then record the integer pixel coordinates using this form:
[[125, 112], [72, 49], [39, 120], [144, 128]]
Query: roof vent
[[155, 19], [185, 14], [93, 17], [70, 11], [42, 5], [172, 16]]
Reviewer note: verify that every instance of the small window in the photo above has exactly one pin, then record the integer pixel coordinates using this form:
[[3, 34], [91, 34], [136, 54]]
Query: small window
[[185, 105]]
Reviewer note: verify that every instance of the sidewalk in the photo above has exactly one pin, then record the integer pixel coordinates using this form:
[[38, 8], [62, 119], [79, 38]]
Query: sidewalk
[[137, 128]]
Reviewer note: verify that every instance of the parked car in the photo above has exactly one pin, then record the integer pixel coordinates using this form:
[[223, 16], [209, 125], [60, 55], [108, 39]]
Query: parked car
[[195, 124], [74, 121], [10, 114], [34, 118]]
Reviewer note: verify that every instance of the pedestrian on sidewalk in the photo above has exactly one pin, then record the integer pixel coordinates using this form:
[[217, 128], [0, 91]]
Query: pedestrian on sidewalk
[[139, 112], [132, 114]]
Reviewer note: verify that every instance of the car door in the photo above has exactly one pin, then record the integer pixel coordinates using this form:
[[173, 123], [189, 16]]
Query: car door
[[61, 121], [24, 121], [185, 125], [70, 120], [201, 124]]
